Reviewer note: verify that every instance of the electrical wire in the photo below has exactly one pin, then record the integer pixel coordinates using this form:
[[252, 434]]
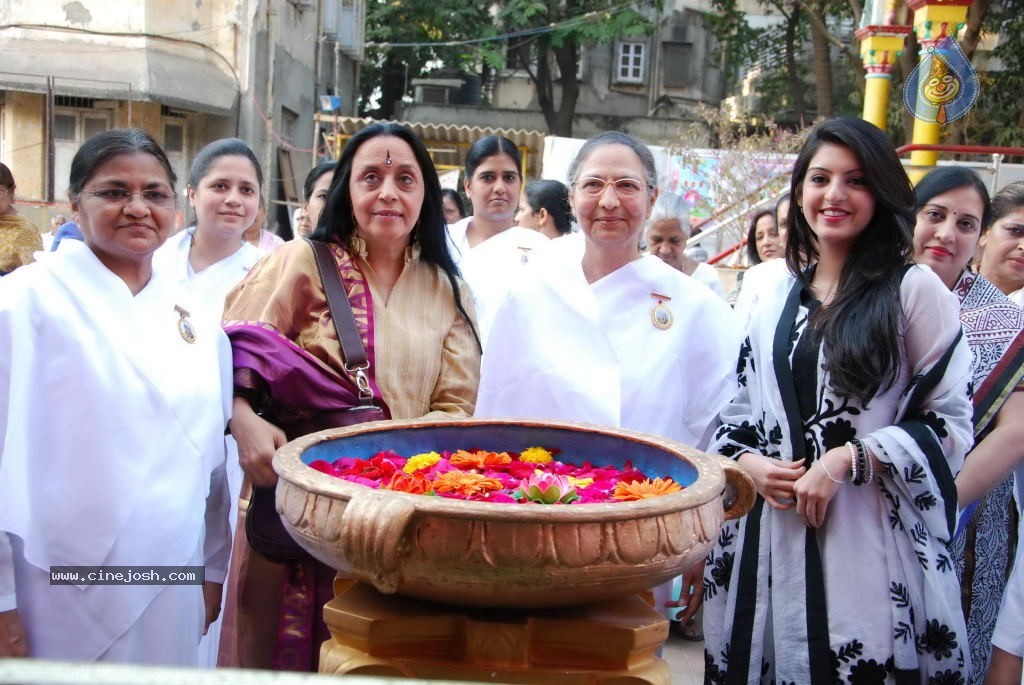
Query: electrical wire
[[522, 33]]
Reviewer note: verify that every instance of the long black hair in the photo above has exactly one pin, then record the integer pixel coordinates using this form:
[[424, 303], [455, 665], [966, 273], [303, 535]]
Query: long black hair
[[946, 178], [456, 199], [1008, 200], [490, 146], [104, 146], [337, 221], [752, 253], [554, 197], [225, 147], [861, 326], [314, 175]]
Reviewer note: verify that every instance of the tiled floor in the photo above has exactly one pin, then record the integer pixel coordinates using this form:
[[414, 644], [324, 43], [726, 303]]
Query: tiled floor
[[685, 660]]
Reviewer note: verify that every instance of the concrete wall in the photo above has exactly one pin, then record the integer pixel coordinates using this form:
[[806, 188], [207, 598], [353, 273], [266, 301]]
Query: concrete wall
[[25, 145], [269, 45]]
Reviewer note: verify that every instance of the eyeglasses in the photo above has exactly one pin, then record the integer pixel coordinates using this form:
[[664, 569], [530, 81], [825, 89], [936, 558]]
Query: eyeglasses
[[624, 187], [117, 196]]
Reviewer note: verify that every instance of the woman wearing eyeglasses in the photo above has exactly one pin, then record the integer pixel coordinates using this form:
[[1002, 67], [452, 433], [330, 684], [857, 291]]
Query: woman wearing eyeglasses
[[617, 338], [112, 415], [18, 237], [211, 257]]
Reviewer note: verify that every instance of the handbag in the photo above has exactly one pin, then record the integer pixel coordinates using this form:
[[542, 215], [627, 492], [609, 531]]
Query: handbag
[[263, 527]]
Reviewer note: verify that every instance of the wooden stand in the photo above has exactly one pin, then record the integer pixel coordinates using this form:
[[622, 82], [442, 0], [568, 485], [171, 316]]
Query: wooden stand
[[613, 642]]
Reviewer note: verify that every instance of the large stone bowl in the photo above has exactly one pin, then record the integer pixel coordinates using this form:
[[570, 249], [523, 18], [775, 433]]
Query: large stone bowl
[[506, 555]]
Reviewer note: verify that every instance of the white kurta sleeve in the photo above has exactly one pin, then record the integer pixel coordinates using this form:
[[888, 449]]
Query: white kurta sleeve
[[923, 453], [8, 598], [1009, 632]]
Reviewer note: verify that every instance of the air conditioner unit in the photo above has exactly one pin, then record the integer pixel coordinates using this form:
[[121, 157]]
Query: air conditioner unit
[[329, 18], [680, 33], [351, 26]]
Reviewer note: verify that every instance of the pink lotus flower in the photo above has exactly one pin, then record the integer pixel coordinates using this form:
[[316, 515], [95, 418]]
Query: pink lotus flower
[[547, 488]]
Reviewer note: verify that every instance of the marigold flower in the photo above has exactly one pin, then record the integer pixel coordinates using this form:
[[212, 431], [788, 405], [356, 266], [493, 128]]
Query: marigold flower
[[415, 484], [535, 455], [420, 462], [479, 459], [465, 484], [580, 482], [636, 490]]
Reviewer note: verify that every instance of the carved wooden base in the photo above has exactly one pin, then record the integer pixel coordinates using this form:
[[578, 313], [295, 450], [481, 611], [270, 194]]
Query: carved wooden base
[[612, 642]]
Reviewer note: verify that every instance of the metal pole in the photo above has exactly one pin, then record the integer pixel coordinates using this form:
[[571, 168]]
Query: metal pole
[[51, 151]]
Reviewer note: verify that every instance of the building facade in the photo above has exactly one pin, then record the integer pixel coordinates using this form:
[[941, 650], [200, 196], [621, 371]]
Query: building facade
[[187, 71], [646, 85]]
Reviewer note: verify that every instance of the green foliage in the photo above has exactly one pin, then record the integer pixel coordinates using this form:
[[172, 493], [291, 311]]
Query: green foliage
[[388, 71], [736, 43], [748, 167], [1000, 108]]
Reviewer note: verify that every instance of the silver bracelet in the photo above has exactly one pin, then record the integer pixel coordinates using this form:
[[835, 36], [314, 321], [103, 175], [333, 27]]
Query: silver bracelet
[[827, 473]]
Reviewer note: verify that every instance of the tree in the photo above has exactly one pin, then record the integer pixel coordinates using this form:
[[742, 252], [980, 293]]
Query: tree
[[551, 55], [998, 116], [747, 168], [787, 83], [406, 38]]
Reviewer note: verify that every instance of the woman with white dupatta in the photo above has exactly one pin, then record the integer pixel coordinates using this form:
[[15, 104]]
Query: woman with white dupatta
[[614, 338], [488, 248], [852, 418], [112, 414], [211, 257]]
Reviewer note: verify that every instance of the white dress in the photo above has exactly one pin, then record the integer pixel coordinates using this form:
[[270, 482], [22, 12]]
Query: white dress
[[212, 284], [493, 266], [561, 348], [1009, 631], [872, 595], [708, 275], [210, 287], [111, 427], [757, 281]]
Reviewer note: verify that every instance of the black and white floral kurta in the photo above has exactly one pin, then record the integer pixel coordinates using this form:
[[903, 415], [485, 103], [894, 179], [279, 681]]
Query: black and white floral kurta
[[871, 596]]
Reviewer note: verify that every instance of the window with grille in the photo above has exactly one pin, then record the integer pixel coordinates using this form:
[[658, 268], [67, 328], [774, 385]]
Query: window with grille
[[629, 66]]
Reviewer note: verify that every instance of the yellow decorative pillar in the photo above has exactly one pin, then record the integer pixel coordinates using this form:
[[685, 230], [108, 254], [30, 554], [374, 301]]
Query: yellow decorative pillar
[[933, 21], [879, 48]]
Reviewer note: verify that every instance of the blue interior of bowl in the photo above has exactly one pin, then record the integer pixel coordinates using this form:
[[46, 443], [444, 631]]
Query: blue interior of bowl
[[576, 446]]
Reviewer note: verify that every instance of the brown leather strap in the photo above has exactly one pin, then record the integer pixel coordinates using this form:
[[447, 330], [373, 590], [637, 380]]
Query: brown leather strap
[[352, 351]]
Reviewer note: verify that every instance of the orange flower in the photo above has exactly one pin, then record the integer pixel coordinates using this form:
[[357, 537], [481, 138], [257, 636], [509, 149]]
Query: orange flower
[[466, 484], [628, 492], [478, 459], [415, 484]]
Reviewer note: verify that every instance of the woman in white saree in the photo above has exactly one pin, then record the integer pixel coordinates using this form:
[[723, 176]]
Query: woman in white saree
[[852, 418], [113, 402]]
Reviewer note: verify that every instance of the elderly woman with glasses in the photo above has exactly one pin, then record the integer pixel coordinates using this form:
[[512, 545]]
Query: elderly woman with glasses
[[612, 338], [112, 413], [616, 338]]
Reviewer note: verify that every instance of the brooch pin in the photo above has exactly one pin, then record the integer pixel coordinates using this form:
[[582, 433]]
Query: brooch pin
[[661, 316], [185, 328]]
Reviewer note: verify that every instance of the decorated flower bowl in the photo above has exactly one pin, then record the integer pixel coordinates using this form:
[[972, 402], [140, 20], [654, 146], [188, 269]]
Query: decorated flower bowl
[[489, 554]]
